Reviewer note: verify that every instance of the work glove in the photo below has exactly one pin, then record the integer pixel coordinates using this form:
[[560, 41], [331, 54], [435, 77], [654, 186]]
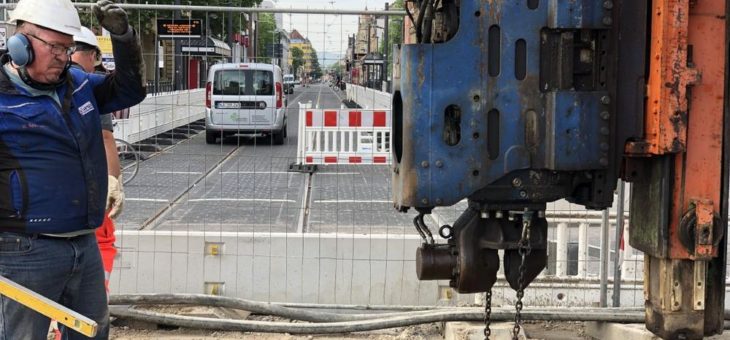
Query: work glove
[[114, 197], [112, 17]]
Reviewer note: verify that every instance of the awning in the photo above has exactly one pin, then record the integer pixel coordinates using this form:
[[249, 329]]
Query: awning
[[373, 59], [205, 47]]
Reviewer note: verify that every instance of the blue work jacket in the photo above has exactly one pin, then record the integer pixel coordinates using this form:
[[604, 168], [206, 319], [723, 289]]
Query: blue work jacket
[[53, 174]]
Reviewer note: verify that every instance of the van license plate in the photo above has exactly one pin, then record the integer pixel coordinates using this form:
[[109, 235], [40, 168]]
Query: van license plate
[[236, 105]]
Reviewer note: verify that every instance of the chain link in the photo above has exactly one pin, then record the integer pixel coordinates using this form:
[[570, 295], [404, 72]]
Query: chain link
[[487, 314], [524, 250]]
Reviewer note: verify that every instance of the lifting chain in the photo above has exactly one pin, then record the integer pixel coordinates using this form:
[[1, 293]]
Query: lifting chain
[[524, 250], [487, 314]]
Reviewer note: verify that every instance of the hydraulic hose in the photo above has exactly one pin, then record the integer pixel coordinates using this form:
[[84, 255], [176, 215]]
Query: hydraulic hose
[[573, 314], [342, 322], [247, 305]]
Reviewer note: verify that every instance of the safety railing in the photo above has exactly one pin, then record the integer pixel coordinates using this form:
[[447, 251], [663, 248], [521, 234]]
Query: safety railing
[[368, 98], [159, 113], [343, 136]]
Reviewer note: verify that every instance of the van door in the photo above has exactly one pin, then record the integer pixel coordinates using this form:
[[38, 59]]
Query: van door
[[243, 97]]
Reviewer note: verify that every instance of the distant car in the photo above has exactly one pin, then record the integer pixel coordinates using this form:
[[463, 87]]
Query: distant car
[[289, 83], [245, 99]]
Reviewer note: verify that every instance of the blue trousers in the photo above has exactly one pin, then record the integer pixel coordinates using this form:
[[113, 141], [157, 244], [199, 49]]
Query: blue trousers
[[65, 270]]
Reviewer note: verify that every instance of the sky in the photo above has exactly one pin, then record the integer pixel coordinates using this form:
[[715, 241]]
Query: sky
[[327, 33]]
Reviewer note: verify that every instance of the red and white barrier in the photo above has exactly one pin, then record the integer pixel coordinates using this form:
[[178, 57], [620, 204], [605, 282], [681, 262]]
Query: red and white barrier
[[343, 136]]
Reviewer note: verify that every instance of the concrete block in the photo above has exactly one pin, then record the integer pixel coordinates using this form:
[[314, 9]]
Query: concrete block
[[181, 244], [327, 275], [361, 249], [410, 287], [361, 282], [278, 247], [277, 285], [310, 280], [394, 282], [617, 331], [397, 250], [261, 278], [294, 279], [145, 272], [244, 278], [328, 248], [345, 248], [377, 281], [179, 273], [163, 271], [261, 246], [294, 246], [475, 331], [310, 247], [126, 241], [244, 245], [343, 282], [378, 249]]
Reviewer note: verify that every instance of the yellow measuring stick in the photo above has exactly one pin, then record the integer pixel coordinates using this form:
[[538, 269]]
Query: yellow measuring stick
[[51, 309]]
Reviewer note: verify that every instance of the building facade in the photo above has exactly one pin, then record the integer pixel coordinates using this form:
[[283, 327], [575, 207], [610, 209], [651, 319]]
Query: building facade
[[296, 40]]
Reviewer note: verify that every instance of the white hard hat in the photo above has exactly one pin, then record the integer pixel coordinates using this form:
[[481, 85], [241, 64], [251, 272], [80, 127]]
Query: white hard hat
[[87, 37], [58, 15]]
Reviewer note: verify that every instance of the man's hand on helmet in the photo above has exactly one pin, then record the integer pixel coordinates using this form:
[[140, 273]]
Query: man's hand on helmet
[[112, 17]]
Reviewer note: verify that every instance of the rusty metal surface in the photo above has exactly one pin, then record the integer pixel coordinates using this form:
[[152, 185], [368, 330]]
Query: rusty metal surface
[[688, 48], [704, 244], [669, 78]]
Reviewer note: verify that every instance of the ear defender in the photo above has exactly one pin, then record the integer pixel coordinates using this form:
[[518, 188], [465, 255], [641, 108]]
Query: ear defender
[[20, 50]]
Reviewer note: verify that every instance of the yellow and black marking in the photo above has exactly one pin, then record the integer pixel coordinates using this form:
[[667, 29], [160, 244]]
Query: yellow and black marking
[[47, 307]]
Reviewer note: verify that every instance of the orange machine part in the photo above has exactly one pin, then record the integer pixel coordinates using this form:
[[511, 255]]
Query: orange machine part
[[698, 172], [669, 76]]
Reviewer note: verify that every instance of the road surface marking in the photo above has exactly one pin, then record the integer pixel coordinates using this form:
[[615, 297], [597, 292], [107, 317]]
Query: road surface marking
[[241, 200]]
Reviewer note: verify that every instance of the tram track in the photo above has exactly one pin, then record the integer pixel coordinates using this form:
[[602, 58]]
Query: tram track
[[160, 215]]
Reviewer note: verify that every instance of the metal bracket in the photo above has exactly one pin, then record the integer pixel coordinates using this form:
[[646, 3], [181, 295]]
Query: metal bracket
[[698, 290], [704, 229]]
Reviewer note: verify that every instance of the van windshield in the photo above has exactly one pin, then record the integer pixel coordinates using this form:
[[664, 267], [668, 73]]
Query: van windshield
[[243, 83]]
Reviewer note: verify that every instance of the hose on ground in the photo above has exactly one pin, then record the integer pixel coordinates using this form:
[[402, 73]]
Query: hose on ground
[[328, 322], [243, 304], [506, 314]]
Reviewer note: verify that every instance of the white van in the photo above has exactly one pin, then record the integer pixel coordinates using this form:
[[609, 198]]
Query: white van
[[245, 99], [288, 83]]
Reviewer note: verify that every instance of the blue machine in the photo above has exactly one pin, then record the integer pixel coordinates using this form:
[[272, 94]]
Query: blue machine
[[510, 104]]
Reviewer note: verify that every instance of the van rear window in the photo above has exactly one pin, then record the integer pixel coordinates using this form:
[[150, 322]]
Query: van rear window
[[243, 83]]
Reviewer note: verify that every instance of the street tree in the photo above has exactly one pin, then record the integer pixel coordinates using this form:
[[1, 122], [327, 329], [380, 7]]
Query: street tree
[[297, 57], [316, 69], [267, 37]]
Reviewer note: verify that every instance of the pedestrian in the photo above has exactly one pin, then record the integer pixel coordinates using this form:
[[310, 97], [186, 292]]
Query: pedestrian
[[53, 172], [87, 57]]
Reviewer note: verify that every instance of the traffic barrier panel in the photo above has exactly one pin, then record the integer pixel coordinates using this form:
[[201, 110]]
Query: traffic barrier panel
[[158, 113], [344, 136]]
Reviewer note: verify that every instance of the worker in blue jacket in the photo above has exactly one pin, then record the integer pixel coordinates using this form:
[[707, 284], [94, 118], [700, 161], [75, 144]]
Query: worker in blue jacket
[[53, 175]]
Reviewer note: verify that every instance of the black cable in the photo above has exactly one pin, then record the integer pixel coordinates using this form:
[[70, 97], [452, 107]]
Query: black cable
[[419, 21], [428, 22], [418, 228], [425, 228], [410, 15]]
